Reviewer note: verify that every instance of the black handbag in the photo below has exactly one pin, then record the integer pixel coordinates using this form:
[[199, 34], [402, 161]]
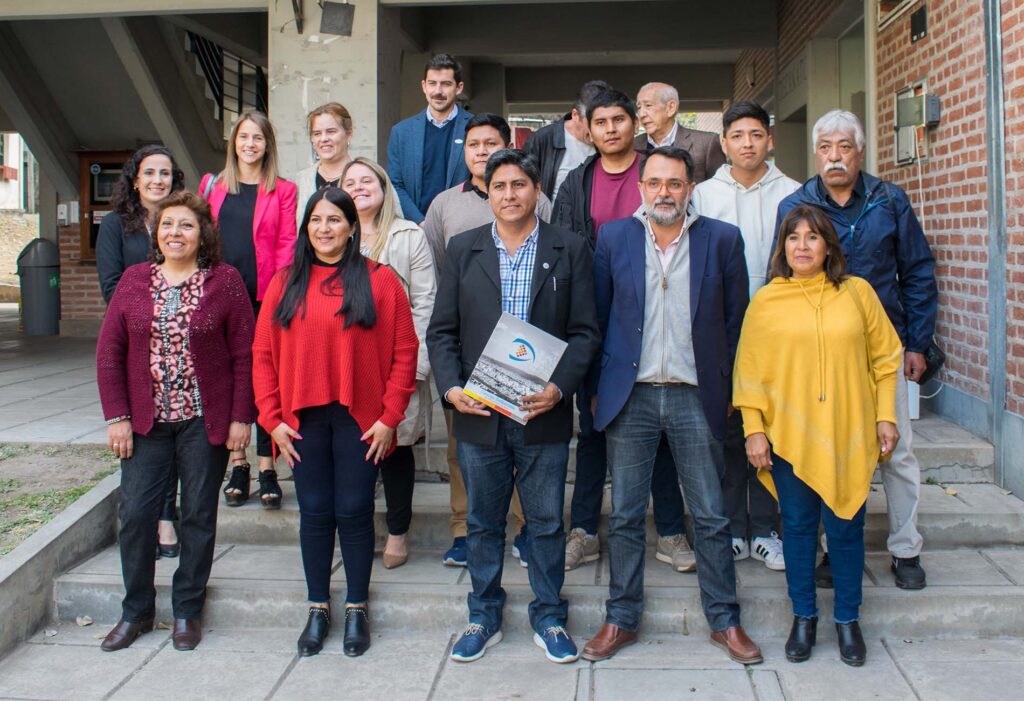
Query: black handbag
[[934, 359]]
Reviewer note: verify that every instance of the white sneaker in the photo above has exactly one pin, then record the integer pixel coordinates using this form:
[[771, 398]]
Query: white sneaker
[[769, 551], [740, 549]]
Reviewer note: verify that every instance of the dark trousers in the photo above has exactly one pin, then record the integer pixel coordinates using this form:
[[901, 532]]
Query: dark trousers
[[264, 444], [751, 508], [398, 473], [334, 486], [592, 469], [144, 479], [802, 511]]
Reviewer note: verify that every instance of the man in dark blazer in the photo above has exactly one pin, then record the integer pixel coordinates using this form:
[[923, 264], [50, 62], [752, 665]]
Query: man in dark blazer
[[671, 290], [656, 108], [425, 151], [543, 275]]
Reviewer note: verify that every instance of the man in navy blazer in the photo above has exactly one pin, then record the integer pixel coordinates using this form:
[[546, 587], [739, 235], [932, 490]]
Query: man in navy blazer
[[425, 150], [671, 289]]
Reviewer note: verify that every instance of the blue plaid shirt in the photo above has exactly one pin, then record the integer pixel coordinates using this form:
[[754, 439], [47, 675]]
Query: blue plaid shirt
[[516, 273]]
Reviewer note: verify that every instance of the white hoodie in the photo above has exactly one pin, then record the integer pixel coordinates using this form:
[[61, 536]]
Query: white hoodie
[[752, 210]]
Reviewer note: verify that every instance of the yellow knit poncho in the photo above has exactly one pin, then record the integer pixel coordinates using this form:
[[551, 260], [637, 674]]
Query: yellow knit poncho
[[802, 378]]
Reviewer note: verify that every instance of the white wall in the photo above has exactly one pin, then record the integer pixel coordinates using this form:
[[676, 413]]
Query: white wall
[[11, 190]]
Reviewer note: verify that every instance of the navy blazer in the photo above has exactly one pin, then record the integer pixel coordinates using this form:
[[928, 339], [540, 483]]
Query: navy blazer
[[405, 160], [468, 305], [719, 295]]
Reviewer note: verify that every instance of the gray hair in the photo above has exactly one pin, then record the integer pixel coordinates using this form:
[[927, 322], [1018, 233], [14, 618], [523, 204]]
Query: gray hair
[[838, 121], [666, 93]]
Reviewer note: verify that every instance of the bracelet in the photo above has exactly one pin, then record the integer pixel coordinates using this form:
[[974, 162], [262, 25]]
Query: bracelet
[[118, 418]]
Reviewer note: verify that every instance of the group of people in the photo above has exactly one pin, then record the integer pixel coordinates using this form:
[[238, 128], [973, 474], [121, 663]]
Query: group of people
[[735, 341]]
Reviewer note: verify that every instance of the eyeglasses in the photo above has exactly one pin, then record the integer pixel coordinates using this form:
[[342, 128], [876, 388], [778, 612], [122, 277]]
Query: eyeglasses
[[674, 186]]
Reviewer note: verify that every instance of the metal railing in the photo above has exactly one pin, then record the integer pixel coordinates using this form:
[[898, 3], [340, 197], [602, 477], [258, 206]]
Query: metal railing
[[236, 85]]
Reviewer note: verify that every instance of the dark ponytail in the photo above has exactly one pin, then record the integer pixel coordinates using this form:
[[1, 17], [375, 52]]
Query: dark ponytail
[[352, 275]]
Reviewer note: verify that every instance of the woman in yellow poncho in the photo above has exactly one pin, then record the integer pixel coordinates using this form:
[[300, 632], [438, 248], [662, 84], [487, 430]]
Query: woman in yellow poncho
[[815, 379]]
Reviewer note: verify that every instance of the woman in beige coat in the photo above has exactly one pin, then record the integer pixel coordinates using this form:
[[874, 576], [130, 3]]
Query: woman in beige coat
[[402, 246]]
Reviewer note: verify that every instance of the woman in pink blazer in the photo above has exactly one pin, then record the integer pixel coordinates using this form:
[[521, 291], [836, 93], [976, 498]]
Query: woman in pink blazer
[[255, 212]]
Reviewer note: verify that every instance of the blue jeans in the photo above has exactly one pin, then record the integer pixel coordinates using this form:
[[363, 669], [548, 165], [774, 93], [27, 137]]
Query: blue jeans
[[633, 438], [802, 510], [592, 468], [538, 472], [334, 486]]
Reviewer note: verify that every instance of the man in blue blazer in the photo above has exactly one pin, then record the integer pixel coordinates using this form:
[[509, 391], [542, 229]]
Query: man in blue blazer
[[671, 289], [425, 150]]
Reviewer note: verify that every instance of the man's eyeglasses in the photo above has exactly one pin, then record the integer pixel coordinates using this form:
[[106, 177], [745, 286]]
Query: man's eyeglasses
[[653, 185]]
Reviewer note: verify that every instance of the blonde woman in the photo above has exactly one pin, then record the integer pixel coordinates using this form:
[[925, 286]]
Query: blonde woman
[[255, 212], [330, 133], [402, 246]]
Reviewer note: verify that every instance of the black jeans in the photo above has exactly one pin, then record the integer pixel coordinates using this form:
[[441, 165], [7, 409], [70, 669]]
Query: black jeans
[[144, 479], [264, 444], [398, 472], [758, 517], [334, 487]]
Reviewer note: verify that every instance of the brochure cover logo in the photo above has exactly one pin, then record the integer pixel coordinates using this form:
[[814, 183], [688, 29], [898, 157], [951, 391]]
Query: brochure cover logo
[[522, 351]]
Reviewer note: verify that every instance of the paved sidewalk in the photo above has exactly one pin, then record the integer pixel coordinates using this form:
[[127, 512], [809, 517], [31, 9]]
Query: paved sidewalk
[[262, 664]]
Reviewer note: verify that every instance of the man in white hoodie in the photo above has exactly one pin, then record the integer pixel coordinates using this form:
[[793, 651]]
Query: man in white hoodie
[[746, 193]]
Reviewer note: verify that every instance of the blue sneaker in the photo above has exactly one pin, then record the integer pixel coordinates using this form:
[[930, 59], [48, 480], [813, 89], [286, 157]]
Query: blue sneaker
[[474, 643], [521, 548], [557, 645], [457, 554]]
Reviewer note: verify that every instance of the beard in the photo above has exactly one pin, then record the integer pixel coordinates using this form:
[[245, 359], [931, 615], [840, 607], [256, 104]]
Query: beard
[[662, 217]]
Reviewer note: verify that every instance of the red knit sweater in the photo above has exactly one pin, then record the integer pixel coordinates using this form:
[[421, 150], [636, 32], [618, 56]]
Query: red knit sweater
[[315, 361]]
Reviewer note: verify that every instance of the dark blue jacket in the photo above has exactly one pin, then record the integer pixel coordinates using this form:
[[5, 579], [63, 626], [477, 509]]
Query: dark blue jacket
[[719, 295], [884, 244]]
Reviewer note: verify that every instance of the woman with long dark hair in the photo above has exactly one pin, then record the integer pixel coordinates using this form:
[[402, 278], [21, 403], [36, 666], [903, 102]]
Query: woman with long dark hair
[[334, 365], [402, 246], [255, 212], [124, 240], [815, 380], [174, 369]]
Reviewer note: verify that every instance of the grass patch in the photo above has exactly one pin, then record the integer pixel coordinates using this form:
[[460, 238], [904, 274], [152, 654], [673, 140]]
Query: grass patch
[[10, 450], [23, 515]]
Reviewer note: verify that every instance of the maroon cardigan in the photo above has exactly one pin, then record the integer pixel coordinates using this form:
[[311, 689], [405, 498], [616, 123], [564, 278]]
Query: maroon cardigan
[[220, 335]]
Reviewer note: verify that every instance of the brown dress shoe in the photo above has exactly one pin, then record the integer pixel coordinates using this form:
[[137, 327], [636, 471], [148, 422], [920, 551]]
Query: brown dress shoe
[[187, 633], [734, 640], [609, 640], [124, 634]]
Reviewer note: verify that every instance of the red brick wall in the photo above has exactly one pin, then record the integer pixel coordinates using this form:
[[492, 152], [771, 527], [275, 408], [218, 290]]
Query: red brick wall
[[1013, 97], [756, 64], [951, 59], [82, 304]]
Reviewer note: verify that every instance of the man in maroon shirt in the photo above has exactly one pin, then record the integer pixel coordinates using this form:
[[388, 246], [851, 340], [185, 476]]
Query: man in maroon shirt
[[601, 190]]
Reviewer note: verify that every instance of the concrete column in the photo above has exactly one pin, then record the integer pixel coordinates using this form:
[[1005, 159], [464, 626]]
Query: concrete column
[[822, 85], [310, 69], [47, 208], [487, 90]]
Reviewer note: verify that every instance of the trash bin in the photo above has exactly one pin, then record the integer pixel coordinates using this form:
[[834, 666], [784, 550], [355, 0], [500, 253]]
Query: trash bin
[[39, 269]]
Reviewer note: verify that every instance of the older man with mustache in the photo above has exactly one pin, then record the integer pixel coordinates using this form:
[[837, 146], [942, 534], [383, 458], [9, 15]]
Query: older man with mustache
[[883, 243]]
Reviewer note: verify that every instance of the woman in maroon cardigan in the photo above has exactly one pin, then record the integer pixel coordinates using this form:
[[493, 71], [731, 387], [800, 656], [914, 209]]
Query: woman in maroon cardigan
[[174, 366]]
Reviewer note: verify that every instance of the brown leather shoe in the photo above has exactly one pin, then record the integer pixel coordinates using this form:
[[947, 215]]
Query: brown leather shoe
[[187, 633], [734, 640], [609, 640], [124, 634]]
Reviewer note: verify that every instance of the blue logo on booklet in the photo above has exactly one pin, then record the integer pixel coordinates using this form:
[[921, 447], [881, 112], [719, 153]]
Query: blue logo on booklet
[[522, 351]]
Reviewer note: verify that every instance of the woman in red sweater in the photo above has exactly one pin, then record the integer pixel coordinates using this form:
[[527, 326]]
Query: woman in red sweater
[[174, 368], [334, 365]]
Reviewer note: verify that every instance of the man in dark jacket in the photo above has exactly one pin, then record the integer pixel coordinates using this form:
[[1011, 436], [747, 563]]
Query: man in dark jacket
[[563, 145], [883, 243], [656, 106]]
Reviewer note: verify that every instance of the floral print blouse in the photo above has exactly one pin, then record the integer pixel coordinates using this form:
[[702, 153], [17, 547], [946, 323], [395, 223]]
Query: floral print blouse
[[175, 389]]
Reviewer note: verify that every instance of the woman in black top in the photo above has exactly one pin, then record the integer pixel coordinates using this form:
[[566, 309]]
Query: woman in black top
[[148, 177]]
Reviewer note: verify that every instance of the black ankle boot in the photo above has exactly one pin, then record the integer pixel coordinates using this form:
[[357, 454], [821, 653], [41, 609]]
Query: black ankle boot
[[236, 491], [802, 637], [313, 635], [851, 643], [357, 631]]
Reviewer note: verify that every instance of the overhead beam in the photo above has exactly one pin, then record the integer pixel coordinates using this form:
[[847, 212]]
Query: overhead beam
[[152, 93], [72, 9], [35, 114], [648, 26], [559, 85]]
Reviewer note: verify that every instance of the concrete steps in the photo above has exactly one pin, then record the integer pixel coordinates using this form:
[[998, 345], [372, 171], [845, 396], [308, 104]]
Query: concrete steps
[[971, 593], [976, 516]]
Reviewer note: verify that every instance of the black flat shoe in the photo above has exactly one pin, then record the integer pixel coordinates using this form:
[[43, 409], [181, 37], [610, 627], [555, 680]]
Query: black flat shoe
[[823, 573], [802, 637], [270, 490], [357, 631], [170, 551], [852, 649], [313, 635], [236, 491]]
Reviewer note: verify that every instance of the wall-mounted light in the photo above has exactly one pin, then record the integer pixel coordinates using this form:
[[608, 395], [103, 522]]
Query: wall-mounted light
[[336, 18]]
